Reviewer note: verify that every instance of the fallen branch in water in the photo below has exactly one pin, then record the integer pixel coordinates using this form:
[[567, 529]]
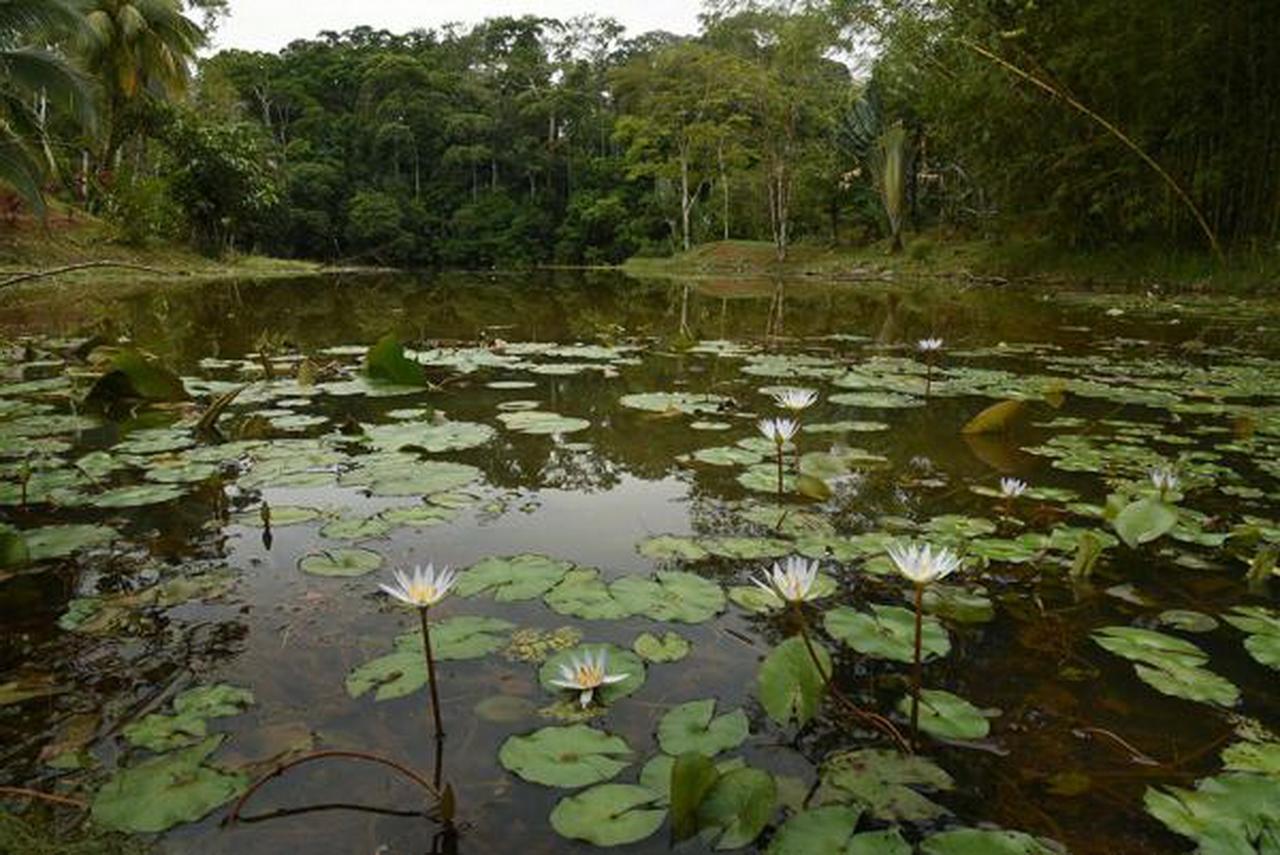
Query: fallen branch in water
[[87, 265], [23, 792]]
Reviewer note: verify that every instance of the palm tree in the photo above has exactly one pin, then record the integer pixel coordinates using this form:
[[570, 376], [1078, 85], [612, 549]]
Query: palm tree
[[135, 48], [31, 78]]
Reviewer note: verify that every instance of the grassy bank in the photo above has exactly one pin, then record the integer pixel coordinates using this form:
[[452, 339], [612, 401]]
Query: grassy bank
[[981, 261], [27, 246]]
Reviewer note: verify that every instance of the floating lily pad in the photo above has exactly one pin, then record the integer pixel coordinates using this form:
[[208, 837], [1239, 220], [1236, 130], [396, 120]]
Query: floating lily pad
[[572, 756], [519, 577], [673, 596], [1230, 813], [1170, 665], [671, 647], [134, 497], [789, 682], [820, 829], [356, 529], [341, 562], [281, 516], [433, 437], [170, 790], [745, 548], [540, 423], [947, 716], [689, 403], [738, 807], [1187, 621], [887, 842], [692, 726], [582, 593], [885, 783], [404, 671], [669, 546], [609, 815], [1263, 624], [888, 632], [727, 455], [978, 841], [59, 541]]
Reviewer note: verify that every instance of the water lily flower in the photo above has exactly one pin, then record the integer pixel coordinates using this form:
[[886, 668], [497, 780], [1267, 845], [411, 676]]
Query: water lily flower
[[794, 582], [1164, 479], [586, 674], [923, 564], [795, 399], [424, 588], [778, 431], [1012, 488], [928, 345]]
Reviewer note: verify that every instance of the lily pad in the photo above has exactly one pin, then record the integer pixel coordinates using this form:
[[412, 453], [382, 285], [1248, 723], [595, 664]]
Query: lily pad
[[978, 841], [404, 671], [59, 541], [739, 806], [671, 647], [541, 423], [670, 546], [689, 403], [885, 783], [947, 716], [673, 596], [341, 562], [170, 790], [1170, 665], [822, 829], [519, 577], [432, 437], [888, 632], [789, 684], [693, 726], [582, 593], [609, 815], [572, 756]]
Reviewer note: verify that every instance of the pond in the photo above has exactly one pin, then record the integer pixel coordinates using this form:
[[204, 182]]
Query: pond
[[190, 599]]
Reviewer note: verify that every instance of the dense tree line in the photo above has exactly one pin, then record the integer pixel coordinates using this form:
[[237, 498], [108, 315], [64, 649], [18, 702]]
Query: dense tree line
[[532, 140]]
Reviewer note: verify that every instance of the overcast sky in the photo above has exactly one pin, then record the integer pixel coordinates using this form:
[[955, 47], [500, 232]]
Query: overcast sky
[[272, 24]]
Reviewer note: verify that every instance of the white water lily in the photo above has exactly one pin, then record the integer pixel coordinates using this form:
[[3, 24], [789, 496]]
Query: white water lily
[[1012, 488], [586, 674], [424, 588], [778, 431], [1164, 479], [795, 399], [923, 564], [792, 582], [928, 345]]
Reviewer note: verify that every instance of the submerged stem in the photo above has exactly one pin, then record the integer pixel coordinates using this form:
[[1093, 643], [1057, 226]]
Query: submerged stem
[[431, 673], [915, 677]]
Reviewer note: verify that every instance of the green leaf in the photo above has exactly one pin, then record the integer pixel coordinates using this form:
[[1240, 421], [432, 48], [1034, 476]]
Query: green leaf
[[666, 546], [691, 727], [344, 562], [888, 632], [431, 437], [1225, 815], [169, 790], [1170, 665], [1145, 520], [884, 782], [975, 841], [620, 661], [887, 842], [997, 418], [947, 716], [572, 756], [673, 596], [160, 733], [405, 671], [692, 777], [386, 362], [539, 423], [656, 773], [818, 830], [741, 803], [608, 815], [133, 375], [671, 647], [789, 684], [14, 551], [583, 594], [519, 577]]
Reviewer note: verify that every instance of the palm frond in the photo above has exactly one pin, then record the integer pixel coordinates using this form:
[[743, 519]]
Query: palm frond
[[21, 171]]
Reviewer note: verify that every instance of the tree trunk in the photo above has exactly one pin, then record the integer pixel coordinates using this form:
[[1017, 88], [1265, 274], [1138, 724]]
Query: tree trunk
[[685, 204]]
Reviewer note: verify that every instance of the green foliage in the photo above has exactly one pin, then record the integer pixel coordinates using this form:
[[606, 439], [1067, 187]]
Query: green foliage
[[790, 684]]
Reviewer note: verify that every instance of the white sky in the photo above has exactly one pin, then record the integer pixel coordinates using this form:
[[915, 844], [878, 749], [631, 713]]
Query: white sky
[[272, 24]]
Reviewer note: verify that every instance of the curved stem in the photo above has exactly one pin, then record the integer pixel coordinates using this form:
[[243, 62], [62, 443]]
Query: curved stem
[[435, 697], [876, 720], [915, 674], [24, 793], [779, 473], [403, 770]]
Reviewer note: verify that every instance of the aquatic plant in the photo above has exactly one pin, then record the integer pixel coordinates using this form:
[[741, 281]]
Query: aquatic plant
[[587, 673]]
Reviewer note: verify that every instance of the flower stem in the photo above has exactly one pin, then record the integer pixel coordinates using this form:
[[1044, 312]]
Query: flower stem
[[431, 673], [779, 473], [915, 679]]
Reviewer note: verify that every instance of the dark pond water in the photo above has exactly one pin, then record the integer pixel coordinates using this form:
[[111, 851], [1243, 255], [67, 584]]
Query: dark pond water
[[168, 581]]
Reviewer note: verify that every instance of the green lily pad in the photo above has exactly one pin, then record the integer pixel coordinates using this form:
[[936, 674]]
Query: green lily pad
[[136, 496], [789, 683], [692, 727], [1145, 520], [609, 815], [59, 541], [572, 756], [758, 600], [977, 841], [1230, 813], [341, 562], [619, 661], [1170, 665], [673, 596], [284, 515], [887, 842], [689, 403], [170, 790], [1187, 621], [404, 670], [667, 546], [947, 716], [888, 632], [821, 829], [885, 783], [745, 548], [582, 593], [385, 362], [431, 437], [656, 773], [356, 529], [541, 423], [727, 455], [519, 577], [671, 647], [1263, 624], [739, 806], [763, 478]]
